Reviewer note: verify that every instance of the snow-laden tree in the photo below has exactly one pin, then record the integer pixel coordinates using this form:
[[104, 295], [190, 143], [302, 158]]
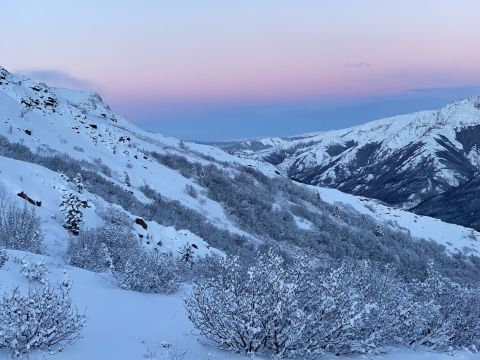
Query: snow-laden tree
[[39, 319], [127, 179], [336, 212], [71, 205], [186, 254], [79, 182], [378, 231]]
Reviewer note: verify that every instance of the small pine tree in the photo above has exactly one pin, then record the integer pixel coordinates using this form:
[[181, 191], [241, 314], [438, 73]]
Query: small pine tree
[[127, 180], [71, 205], [472, 235], [78, 181]]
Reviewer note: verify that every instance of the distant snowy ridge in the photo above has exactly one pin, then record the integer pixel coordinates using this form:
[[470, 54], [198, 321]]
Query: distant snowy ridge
[[402, 160]]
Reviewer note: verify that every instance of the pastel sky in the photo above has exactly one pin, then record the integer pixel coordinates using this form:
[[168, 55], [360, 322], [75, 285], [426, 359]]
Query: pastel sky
[[220, 70]]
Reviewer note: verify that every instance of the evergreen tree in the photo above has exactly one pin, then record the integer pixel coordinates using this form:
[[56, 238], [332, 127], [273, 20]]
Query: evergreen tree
[[472, 235], [71, 205], [78, 181], [127, 180]]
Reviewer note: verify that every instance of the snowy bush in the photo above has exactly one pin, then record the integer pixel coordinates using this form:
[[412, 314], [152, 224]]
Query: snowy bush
[[151, 273], [19, 227], [39, 319], [297, 310], [103, 248], [190, 190], [450, 316], [36, 272], [3, 257], [114, 248], [263, 308]]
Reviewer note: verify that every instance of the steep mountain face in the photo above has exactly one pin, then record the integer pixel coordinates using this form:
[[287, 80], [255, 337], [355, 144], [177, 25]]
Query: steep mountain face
[[402, 160], [459, 205]]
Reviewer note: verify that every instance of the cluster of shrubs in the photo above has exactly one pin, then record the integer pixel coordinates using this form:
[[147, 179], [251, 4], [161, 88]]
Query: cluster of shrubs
[[296, 309], [42, 317], [267, 208], [115, 249]]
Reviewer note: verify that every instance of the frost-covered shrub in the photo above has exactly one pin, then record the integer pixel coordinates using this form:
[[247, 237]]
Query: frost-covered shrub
[[297, 310], [114, 248], [103, 248], [39, 319], [263, 308], [19, 227], [368, 307], [151, 273], [36, 271], [450, 316], [190, 190], [3, 257]]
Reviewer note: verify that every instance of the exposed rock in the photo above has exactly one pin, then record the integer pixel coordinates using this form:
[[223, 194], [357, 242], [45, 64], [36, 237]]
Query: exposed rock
[[142, 223], [24, 196]]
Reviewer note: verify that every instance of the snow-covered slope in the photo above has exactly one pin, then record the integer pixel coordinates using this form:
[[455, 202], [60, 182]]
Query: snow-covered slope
[[45, 131], [53, 121], [56, 121], [49, 120], [401, 160]]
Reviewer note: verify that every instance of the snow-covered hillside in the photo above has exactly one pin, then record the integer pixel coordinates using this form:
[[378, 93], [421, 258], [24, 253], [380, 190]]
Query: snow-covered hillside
[[58, 144]]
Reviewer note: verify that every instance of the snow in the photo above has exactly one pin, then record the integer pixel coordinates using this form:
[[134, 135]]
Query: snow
[[454, 237], [126, 325]]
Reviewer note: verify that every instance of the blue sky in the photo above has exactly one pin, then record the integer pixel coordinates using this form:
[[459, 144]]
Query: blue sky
[[214, 70]]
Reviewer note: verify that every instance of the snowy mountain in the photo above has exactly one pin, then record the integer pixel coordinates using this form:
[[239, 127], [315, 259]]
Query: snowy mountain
[[66, 155], [402, 160]]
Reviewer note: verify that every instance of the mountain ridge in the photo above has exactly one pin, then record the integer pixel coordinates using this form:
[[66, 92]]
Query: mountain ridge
[[401, 160]]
